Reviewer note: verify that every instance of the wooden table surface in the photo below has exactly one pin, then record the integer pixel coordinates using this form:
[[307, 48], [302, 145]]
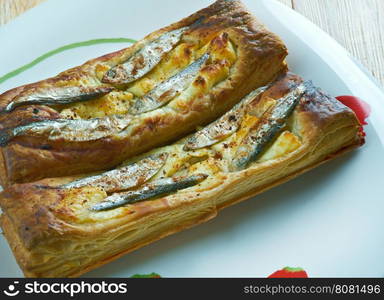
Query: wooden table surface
[[358, 25]]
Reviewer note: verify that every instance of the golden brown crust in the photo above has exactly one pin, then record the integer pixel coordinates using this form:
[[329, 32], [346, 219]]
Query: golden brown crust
[[260, 59], [38, 223]]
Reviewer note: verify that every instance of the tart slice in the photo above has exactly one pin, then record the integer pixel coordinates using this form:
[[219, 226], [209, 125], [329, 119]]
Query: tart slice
[[94, 116], [69, 225]]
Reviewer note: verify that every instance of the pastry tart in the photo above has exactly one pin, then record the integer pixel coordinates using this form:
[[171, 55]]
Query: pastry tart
[[94, 116], [67, 226]]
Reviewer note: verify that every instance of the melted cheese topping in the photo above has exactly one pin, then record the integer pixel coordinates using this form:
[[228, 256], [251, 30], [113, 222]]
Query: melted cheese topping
[[222, 57], [74, 207], [285, 143], [213, 160], [113, 103]]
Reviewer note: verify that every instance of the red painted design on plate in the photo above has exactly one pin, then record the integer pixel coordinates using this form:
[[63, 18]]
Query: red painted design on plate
[[359, 106], [288, 272]]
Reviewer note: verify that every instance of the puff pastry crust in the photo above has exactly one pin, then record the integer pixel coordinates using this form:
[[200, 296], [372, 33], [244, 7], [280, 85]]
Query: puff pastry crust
[[54, 231], [243, 55]]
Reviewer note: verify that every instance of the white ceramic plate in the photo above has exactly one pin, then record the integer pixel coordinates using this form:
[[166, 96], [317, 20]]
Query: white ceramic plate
[[328, 221]]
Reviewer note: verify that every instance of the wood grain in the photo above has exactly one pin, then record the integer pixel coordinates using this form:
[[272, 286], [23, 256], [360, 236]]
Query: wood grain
[[10, 9], [358, 25]]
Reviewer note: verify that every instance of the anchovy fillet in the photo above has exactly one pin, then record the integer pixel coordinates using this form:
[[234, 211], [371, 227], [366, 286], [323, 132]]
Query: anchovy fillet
[[59, 95], [69, 130], [157, 188], [125, 177], [271, 123], [168, 89], [224, 126], [145, 59]]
